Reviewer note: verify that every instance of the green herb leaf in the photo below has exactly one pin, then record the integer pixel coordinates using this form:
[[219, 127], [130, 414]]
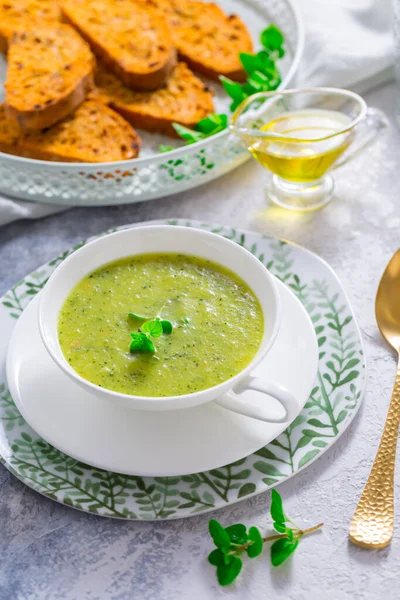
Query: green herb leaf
[[212, 124], [234, 90], [187, 134], [166, 326], [276, 509], [289, 533], [138, 317], [154, 328], [226, 574], [264, 62], [141, 343], [271, 38], [279, 527], [219, 535], [162, 148], [281, 550], [216, 557], [249, 61], [257, 546], [237, 533]]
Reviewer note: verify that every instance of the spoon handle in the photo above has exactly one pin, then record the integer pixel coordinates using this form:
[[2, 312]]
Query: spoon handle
[[373, 519]]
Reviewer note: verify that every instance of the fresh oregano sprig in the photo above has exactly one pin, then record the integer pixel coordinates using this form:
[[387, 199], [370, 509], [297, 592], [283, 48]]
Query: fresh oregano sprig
[[151, 328], [234, 541], [211, 125], [262, 76]]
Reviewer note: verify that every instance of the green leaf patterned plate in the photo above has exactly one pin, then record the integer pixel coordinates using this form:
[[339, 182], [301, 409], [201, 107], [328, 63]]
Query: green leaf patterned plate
[[332, 405]]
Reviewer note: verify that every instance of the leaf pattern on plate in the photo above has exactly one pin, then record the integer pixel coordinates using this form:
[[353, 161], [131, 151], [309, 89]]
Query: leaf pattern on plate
[[333, 402]]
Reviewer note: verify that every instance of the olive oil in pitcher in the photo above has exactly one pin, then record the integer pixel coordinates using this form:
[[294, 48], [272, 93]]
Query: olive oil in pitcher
[[307, 143]]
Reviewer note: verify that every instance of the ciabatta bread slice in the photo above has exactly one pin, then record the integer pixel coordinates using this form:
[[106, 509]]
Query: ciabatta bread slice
[[49, 72], [207, 39], [134, 43], [185, 99], [93, 133]]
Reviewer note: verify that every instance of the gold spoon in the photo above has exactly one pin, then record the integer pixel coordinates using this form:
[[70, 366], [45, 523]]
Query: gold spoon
[[373, 519]]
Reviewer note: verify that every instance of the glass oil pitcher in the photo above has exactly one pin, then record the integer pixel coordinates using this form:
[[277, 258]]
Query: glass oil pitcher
[[301, 136]]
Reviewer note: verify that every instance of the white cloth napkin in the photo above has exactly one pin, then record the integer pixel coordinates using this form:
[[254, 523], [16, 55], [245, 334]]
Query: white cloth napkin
[[348, 43]]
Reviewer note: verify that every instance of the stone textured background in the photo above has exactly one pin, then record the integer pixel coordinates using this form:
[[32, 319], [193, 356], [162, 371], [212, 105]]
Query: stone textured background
[[50, 552]]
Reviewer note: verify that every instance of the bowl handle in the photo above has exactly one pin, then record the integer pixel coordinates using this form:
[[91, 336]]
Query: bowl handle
[[232, 401]]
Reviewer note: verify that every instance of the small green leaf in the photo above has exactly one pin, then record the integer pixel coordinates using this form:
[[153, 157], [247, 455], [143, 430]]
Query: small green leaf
[[188, 134], [226, 574], [289, 533], [141, 343], [232, 88], [257, 546], [154, 328], [219, 535], [281, 550], [279, 527], [237, 533], [166, 326], [216, 557], [276, 510], [163, 148], [271, 38], [138, 317], [212, 124], [249, 62]]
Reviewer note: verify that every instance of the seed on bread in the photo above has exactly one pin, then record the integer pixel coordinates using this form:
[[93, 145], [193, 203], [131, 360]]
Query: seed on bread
[[40, 90]]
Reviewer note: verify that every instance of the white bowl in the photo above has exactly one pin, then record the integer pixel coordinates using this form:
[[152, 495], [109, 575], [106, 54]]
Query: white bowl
[[194, 242]]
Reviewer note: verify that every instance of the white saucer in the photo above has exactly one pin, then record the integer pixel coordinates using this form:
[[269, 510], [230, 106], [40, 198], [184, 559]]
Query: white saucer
[[181, 442]]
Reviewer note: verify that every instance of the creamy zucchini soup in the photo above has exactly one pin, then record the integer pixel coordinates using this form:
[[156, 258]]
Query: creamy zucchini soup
[[160, 325]]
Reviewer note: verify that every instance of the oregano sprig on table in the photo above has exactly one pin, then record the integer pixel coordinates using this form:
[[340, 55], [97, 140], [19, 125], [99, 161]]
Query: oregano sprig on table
[[234, 541], [151, 328], [262, 76]]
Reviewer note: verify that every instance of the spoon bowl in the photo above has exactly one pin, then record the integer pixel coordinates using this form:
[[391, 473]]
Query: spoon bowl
[[387, 303]]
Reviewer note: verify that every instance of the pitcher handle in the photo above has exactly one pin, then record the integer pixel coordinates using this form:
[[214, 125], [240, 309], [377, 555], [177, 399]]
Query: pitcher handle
[[366, 133]]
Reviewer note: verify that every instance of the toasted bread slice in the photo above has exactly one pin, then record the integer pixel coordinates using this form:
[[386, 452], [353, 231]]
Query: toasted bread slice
[[20, 15], [49, 74], [135, 44], [184, 99], [207, 39], [93, 133]]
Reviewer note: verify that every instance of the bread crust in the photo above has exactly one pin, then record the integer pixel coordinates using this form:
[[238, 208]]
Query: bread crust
[[139, 48], [49, 75]]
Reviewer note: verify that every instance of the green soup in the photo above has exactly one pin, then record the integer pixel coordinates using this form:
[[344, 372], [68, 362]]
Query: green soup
[[217, 325]]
